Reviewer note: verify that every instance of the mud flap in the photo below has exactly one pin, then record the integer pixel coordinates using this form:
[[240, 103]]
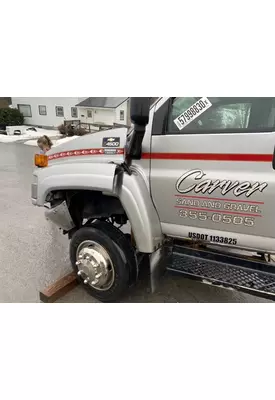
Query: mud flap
[[158, 261]]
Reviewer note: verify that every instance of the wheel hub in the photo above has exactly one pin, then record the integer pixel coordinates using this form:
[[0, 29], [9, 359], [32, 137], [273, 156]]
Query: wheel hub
[[94, 265]]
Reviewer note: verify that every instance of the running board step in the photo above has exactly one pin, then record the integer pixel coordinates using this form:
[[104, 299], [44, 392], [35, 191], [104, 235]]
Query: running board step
[[253, 277]]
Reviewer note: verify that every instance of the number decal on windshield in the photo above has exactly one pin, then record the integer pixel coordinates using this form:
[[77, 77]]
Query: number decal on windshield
[[192, 113]]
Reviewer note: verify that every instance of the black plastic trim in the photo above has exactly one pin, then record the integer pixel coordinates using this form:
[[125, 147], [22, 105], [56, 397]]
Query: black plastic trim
[[159, 126]]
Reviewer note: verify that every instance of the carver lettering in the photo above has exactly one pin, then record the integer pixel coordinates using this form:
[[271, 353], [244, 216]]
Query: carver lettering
[[209, 186]]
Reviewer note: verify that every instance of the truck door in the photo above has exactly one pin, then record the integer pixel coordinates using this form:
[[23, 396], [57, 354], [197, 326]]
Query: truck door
[[211, 170]]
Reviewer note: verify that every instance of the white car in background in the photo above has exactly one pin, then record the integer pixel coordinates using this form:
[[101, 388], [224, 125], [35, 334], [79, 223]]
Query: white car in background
[[22, 130], [26, 133]]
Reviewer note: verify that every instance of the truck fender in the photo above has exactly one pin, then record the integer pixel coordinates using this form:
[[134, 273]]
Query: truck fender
[[135, 198], [82, 176]]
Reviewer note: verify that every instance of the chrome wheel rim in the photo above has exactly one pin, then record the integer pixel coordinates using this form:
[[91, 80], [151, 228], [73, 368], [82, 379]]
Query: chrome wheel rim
[[94, 265]]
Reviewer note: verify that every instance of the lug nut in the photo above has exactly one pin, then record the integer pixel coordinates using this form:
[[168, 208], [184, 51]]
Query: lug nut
[[79, 273], [87, 258], [86, 281], [78, 263], [80, 256], [98, 275], [95, 282]]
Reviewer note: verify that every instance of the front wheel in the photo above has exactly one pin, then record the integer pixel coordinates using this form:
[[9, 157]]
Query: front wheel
[[100, 264]]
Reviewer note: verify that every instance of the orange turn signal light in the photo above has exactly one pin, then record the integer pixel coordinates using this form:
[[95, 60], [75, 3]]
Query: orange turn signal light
[[41, 160]]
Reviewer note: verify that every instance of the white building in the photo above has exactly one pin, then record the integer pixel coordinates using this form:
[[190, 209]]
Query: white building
[[104, 110], [47, 111], [53, 111]]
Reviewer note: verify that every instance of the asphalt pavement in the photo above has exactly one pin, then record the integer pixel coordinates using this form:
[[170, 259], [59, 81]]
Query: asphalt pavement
[[34, 253]]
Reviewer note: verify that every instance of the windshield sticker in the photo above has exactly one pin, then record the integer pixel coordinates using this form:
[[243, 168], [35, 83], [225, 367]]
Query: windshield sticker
[[192, 113]]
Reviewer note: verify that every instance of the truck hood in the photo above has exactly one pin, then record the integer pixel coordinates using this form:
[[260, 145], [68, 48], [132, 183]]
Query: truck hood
[[103, 146]]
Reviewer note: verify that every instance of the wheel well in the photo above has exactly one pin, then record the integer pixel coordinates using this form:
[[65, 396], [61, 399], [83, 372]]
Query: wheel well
[[88, 204]]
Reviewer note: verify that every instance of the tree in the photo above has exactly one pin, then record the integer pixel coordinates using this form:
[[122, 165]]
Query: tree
[[10, 116]]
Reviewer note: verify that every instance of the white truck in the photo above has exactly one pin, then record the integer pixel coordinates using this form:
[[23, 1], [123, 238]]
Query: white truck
[[194, 177]]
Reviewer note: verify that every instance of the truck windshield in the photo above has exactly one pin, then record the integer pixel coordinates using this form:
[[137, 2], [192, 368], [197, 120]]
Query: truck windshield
[[225, 114]]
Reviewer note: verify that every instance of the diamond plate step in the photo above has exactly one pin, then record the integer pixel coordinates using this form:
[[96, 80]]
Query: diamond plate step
[[232, 272]]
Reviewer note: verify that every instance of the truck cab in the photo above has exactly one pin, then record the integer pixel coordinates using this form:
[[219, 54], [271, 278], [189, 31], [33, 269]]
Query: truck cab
[[193, 179]]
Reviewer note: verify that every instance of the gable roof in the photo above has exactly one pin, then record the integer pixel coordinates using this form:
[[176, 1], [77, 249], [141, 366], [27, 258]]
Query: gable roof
[[102, 102]]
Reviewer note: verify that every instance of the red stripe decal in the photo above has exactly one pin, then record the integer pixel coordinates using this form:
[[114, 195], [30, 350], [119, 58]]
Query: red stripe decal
[[85, 152], [169, 156], [209, 157]]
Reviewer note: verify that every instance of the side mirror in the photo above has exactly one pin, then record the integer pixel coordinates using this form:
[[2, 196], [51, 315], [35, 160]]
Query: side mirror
[[139, 110], [139, 113]]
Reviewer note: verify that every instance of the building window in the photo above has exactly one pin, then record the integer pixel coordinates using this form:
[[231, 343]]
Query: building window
[[121, 115], [42, 110], [59, 111], [25, 109], [74, 112], [89, 114]]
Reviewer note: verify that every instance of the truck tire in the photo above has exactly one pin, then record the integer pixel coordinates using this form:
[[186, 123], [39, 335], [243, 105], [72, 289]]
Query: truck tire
[[124, 244], [100, 264]]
